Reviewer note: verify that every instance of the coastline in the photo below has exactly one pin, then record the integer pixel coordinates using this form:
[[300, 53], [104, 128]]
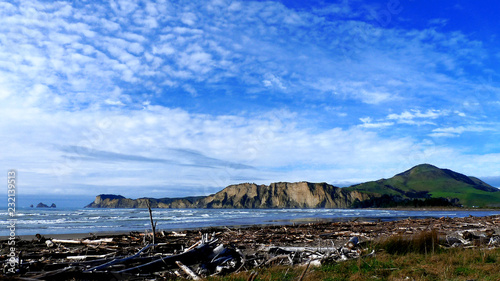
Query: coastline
[[289, 222], [350, 239], [103, 221], [299, 223]]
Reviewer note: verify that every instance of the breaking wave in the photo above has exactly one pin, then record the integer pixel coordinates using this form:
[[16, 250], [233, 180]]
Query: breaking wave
[[60, 221]]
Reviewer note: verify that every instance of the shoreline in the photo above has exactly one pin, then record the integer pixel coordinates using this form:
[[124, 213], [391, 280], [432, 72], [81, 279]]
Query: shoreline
[[299, 223], [274, 222]]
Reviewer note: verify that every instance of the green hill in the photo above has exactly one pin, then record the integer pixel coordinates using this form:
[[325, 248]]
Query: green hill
[[427, 181]]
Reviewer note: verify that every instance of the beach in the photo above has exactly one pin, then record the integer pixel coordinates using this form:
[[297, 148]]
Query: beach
[[450, 232]]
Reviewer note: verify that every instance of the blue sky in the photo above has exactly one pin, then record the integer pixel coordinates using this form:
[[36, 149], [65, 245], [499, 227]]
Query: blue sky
[[145, 98]]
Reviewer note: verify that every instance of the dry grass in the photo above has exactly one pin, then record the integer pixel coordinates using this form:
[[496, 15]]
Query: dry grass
[[423, 243], [398, 258]]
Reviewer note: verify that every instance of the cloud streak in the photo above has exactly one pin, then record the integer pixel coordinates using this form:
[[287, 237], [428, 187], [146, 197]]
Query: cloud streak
[[180, 157]]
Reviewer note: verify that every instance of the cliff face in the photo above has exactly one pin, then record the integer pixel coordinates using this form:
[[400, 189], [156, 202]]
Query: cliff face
[[118, 201], [248, 195], [282, 195]]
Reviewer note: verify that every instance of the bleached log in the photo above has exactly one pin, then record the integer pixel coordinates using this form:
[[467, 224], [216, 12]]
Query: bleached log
[[301, 249], [65, 241], [188, 270], [84, 257], [98, 241], [193, 246], [86, 241]]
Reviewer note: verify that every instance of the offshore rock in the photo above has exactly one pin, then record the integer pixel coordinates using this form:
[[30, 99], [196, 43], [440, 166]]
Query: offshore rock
[[41, 205]]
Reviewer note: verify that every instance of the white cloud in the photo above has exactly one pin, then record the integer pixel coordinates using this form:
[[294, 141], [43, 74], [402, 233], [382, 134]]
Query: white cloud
[[110, 76], [114, 102], [368, 123], [439, 22], [334, 155], [191, 90], [372, 97], [415, 113], [273, 81], [231, 45], [123, 7], [457, 131], [164, 49], [416, 117], [189, 18], [363, 91], [366, 119]]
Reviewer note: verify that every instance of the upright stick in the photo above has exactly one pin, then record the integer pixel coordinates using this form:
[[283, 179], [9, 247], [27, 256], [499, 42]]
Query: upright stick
[[153, 225]]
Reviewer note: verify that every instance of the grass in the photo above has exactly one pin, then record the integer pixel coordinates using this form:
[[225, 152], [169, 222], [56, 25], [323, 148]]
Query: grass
[[437, 182], [454, 264], [423, 243], [467, 195], [397, 258]]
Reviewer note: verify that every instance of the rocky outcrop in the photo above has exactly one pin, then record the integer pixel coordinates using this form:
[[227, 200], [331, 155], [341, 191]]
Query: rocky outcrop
[[118, 201], [41, 205], [248, 195], [282, 195]]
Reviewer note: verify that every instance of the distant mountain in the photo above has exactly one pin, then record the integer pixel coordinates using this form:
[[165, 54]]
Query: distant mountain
[[427, 181], [422, 185]]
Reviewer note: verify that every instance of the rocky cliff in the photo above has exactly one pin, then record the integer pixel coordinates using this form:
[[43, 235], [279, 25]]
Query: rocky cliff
[[118, 201], [282, 195], [248, 195]]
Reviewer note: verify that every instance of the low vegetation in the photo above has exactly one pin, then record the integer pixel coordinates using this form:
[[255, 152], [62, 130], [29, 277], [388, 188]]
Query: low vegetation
[[397, 258], [395, 201]]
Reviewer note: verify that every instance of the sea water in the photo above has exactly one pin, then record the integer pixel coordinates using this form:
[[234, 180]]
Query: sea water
[[62, 221]]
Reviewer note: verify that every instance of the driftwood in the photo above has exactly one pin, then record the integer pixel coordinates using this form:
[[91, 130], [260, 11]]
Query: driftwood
[[188, 271], [207, 258], [153, 224], [185, 254], [86, 241]]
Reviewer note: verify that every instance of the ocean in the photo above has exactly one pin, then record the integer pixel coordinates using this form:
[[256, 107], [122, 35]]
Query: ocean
[[62, 221]]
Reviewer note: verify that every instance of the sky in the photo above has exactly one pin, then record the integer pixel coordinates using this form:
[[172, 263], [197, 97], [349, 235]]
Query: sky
[[169, 99]]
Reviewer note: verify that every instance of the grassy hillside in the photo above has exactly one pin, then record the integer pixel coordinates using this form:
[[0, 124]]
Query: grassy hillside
[[427, 181]]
